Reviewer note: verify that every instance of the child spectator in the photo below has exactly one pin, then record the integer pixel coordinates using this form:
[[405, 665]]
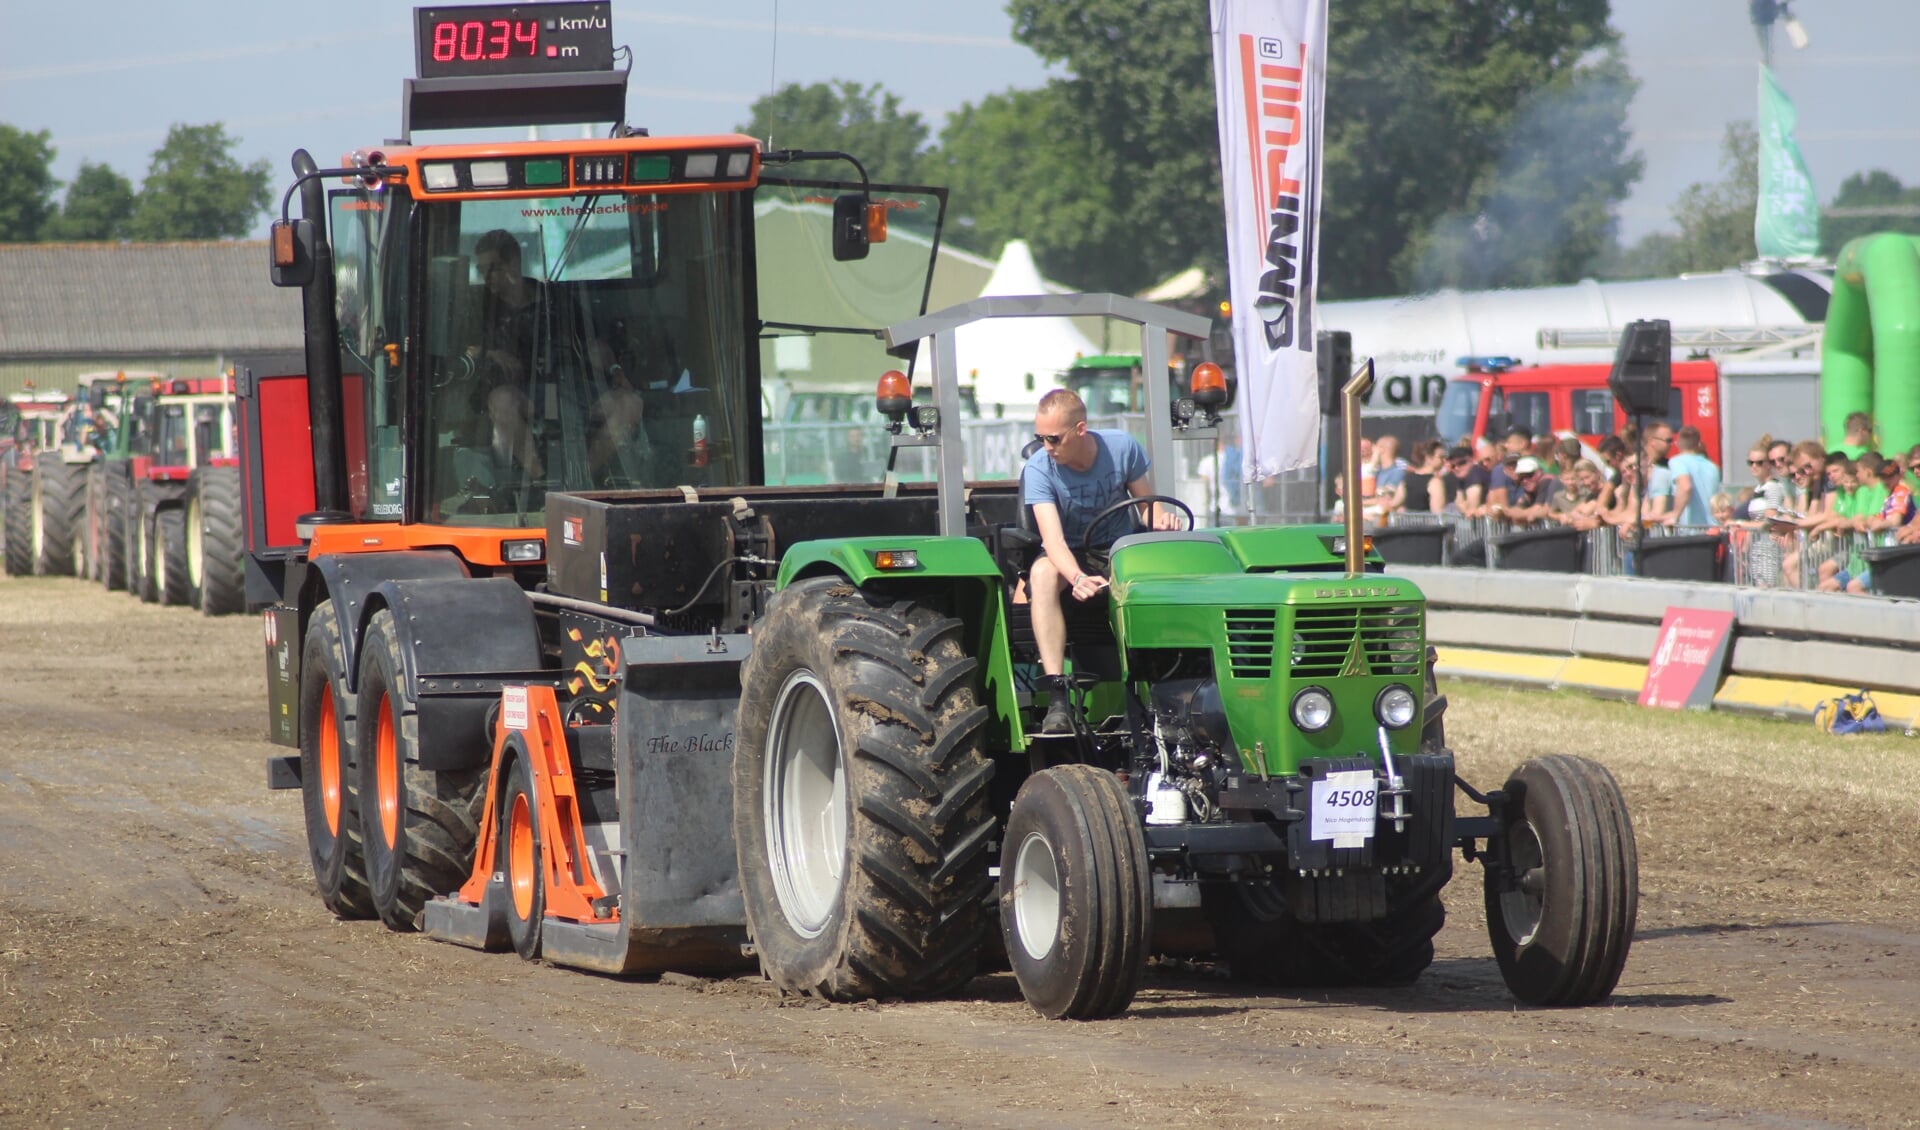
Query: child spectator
[[1859, 438], [1612, 454]]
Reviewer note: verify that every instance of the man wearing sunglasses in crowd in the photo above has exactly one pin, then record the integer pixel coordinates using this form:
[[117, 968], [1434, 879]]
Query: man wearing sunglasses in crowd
[[1077, 473]]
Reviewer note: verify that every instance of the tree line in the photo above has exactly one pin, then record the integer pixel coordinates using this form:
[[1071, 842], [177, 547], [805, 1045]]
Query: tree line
[[194, 189], [1469, 143]]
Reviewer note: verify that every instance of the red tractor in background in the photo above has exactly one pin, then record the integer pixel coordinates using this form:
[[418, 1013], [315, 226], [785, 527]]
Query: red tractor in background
[[29, 424], [181, 539]]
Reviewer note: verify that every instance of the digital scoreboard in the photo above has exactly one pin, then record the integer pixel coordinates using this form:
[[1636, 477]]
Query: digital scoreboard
[[513, 39]]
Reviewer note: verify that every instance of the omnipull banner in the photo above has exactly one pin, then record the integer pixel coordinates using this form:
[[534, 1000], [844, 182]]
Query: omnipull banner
[[1270, 70]]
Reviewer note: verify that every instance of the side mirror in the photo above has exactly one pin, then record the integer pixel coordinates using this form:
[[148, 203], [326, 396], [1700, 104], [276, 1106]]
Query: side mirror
[[850, 239], [291, 242]]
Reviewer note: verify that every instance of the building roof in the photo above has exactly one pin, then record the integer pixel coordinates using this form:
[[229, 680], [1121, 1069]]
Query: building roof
[[142, 299]]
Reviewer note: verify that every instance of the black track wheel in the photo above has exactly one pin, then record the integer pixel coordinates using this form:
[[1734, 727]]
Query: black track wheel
[[523, 861], [1563, 884], [215, 553], [860, 796], [170, 556], [19, 522], [117, 492], [420, 826], [327, 789], [1076, 895], [59, 506]]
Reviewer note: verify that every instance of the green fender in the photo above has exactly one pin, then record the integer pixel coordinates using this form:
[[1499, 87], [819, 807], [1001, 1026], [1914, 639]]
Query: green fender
[[960, 569]]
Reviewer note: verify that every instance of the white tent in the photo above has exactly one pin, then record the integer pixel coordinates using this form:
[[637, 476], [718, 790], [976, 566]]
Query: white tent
[[1012, 362]]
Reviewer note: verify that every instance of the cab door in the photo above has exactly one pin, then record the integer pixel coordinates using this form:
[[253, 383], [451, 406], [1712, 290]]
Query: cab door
[[820, 319]]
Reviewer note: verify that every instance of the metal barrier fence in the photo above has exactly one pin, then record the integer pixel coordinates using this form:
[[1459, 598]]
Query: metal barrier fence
[[1750, 556]]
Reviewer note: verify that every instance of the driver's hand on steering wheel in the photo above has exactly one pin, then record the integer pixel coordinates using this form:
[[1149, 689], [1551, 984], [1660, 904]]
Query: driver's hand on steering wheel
[[1087, 586], [1164, 518]]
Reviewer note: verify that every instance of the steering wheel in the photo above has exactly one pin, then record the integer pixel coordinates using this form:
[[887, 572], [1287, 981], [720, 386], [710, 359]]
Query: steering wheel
[[1088, 553]]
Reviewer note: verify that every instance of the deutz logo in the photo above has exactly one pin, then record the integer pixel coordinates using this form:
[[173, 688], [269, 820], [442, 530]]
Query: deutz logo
[[1357, 591]]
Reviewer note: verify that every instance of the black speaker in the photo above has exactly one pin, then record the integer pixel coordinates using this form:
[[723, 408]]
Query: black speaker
[[1333, 356], [1642, 377]]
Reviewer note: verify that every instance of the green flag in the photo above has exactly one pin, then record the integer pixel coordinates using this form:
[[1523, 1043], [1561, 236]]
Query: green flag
[[1786, 220]]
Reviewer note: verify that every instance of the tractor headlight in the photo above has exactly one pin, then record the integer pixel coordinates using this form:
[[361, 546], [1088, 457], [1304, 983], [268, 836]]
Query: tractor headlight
[[1312, 709], [1394, 707]]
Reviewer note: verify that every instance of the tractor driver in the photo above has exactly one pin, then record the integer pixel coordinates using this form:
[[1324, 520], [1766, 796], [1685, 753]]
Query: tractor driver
[[1077, 473]]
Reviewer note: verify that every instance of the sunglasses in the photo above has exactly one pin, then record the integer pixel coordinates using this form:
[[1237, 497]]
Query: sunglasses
[[1758, 462], [1050, 440]]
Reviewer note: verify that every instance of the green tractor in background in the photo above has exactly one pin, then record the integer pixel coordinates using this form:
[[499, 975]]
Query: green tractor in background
[[1261, 774]]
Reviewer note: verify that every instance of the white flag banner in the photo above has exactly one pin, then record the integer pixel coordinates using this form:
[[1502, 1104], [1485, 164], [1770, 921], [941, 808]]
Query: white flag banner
[[1270, 71]]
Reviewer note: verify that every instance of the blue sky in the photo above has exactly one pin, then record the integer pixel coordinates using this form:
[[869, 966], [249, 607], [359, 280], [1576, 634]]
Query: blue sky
[[107, 78]]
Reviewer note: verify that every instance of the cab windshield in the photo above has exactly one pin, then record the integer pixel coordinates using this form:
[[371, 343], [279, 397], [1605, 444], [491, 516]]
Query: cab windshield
[[585, 343]]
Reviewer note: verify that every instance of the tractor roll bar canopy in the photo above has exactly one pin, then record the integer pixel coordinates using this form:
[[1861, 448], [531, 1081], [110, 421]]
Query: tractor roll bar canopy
[[1155, 323]]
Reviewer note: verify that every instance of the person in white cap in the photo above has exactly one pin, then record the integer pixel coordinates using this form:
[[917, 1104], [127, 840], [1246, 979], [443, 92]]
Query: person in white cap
[[1532, 492]]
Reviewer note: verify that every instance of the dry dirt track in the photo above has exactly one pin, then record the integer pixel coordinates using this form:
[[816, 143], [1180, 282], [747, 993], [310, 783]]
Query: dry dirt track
[[162, 961]]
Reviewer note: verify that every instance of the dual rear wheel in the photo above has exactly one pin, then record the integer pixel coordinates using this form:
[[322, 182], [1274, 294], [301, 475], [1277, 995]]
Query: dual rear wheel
[[383, 834]]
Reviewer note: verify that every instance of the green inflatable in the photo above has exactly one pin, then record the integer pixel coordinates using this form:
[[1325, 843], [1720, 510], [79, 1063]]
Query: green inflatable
[[1870, 353]]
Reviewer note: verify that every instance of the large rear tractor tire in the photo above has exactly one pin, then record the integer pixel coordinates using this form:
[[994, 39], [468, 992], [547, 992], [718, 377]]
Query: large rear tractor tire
[[19, 522], [522, 861], [118, 490], [59, 508], [215, 569], [1076, 894], [170, 556], [860, 796], [420, 826], [327, 787], [1562, 883]]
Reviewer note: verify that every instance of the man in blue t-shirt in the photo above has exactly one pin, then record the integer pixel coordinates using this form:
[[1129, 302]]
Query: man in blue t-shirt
[[1077, 473], [1696, 479]]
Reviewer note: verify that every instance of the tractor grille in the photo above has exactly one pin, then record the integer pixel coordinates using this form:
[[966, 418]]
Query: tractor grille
[[1390, 634], [1250, 642], [1322, 638]]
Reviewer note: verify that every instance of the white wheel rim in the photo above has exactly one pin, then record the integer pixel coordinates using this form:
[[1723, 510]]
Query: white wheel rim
[[195, 543], [1036, 896], [1519, 909], [804, 804]]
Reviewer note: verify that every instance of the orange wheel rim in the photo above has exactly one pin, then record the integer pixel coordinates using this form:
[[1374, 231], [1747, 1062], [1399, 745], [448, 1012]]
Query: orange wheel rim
[[387, 771], [329, 761], [520, 875]]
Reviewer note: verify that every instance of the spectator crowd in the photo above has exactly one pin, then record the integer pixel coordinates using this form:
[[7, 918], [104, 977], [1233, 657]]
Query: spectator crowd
[[1800, 525]]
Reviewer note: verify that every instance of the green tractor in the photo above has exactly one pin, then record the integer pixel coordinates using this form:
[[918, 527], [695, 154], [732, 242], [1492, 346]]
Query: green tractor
[[1263, 766]]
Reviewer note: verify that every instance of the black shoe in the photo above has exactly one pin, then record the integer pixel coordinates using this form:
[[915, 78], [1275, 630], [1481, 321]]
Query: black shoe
[[1059, 719]]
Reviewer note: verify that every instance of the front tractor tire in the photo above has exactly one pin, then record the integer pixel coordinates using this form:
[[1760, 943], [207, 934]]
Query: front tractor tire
[[117, 499], [1563, 883], [327, 788], [168, 568], [420, 826], [1076, 895], [860, 796], [59, 508], [18, 505], [215, 551]]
